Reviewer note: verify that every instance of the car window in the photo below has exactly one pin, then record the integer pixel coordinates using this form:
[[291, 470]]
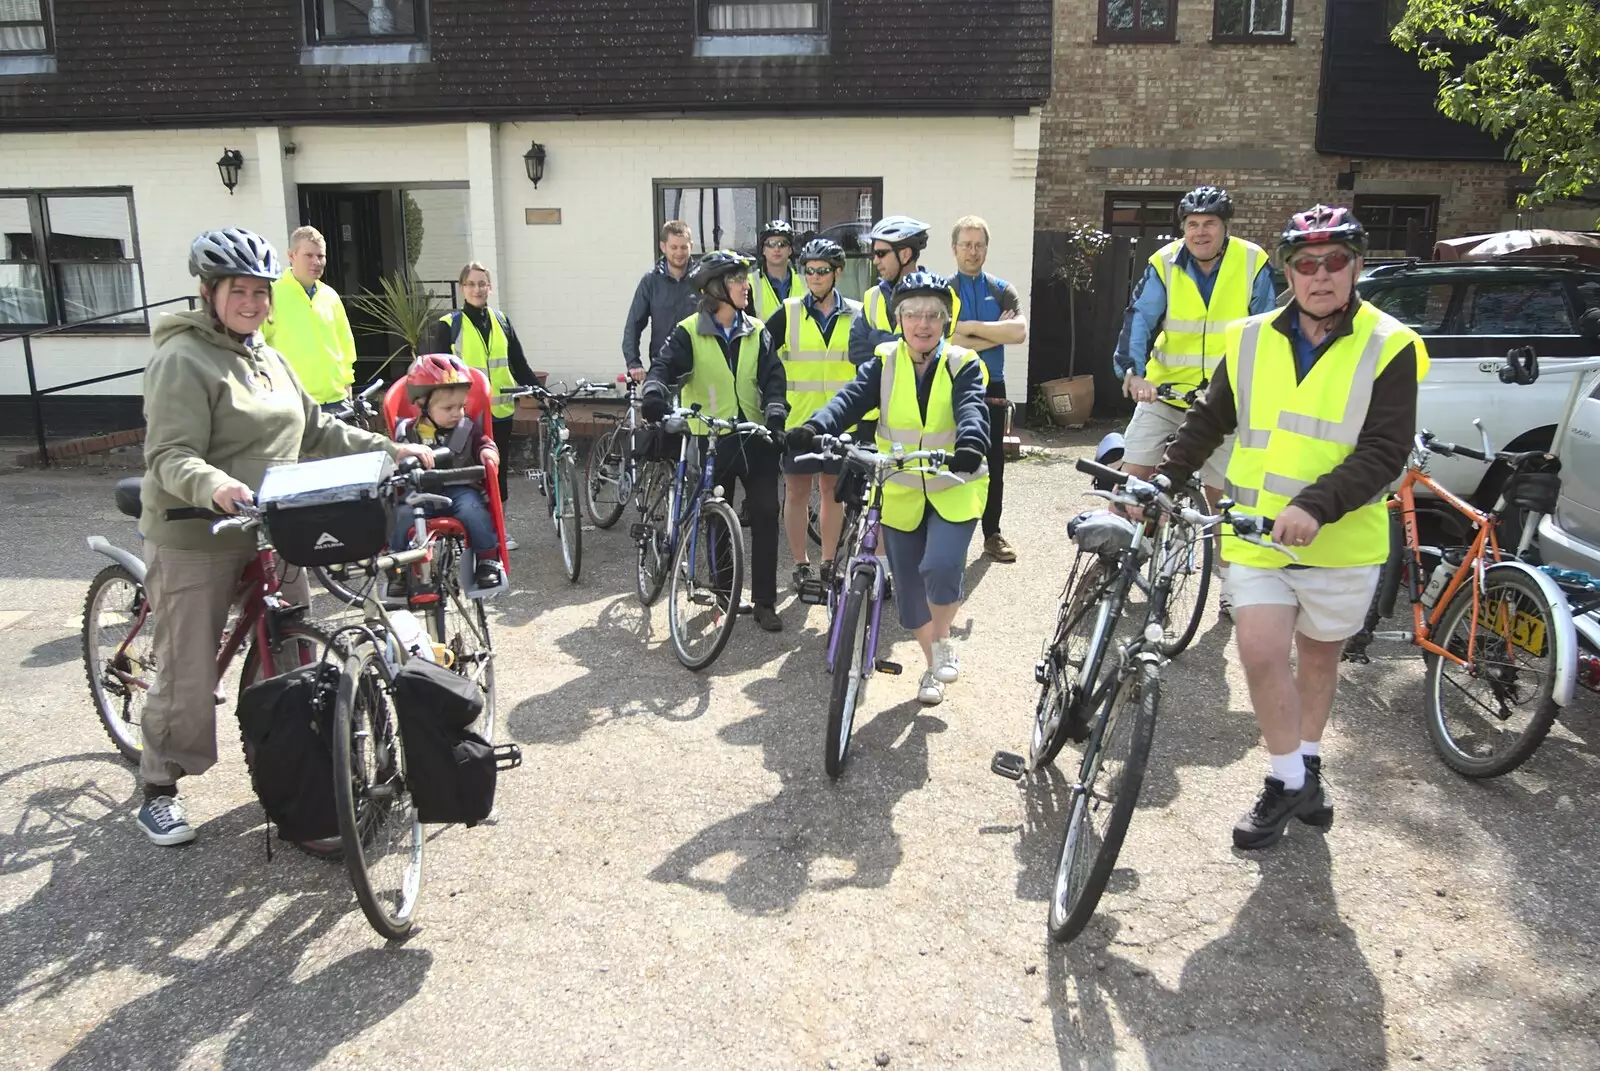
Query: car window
[[1521, 308], [1421, 307], [1589, 294]]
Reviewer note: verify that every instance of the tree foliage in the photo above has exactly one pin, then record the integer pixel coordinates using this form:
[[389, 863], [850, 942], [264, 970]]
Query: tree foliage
[[1524, 70]]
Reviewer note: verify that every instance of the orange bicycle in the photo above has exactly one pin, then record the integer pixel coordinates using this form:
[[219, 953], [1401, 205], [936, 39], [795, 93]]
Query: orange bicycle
[[1496, 632]]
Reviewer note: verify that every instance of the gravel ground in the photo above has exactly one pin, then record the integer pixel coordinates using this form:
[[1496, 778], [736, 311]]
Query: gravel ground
[[675, 882]]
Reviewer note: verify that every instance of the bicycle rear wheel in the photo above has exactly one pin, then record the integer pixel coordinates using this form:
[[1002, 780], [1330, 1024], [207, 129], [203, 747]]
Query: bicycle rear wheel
[[461, 625], [603, 473], [378, 823], [707, 581], [1103, 802], [564, 504], [852, 663], [650, 571], [118, 657], [1084, 628], [1189, 551], [1487, 717]]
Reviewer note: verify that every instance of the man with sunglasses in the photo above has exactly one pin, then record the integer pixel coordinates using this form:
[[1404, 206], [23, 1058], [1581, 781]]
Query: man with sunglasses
[[1172, 334], [1323, 396], [777, 281]]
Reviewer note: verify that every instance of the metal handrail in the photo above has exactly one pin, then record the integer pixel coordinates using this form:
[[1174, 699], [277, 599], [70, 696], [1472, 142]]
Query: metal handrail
[[36, 393]]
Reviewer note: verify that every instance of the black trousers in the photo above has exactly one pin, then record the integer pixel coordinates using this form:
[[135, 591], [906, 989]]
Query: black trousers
[[755, 464], [997, 460], [502, 440]]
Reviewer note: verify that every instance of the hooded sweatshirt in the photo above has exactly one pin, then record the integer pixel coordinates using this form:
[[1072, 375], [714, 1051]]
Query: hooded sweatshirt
[[216, 408]]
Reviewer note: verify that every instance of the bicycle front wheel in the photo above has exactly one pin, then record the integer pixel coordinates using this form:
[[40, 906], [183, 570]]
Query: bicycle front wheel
[[814, 513], [1488, 716], [461, 626], [1073, 663], [1187, 555], [852, 662], [118, 655], [603, 478], [650, 571], [569, 525], [377, 818], [707, 581], [1103, 801]]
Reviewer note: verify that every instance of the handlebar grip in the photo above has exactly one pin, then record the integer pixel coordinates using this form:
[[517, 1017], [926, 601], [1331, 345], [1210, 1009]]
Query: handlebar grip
[[371, 388], [470, 474], [1252, 525], [419, 498], [1094, 468], [1467, 451], [193, 513]]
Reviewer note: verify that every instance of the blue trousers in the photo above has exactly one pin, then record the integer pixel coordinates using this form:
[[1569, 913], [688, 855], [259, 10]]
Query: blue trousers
[[469, 508], [928, 565]]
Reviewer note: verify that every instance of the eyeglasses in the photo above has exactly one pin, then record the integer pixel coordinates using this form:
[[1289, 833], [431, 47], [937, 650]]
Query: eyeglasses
[[778, 243], [828, 270], [972, 247], [1335, 262], [923, 317], [738, 280], [879, 254]]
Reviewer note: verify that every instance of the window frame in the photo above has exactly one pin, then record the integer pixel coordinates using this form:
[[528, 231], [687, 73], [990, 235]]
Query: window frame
[[46, 21], [702, 19], [768, 205], [38, 220], [1392, 201], [311, 9], [1145, 196], [1104, 35], [1286, 37]]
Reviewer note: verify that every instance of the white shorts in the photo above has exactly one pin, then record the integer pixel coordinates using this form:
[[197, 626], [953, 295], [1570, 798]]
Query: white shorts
[[1333, 602], [1153, 424]]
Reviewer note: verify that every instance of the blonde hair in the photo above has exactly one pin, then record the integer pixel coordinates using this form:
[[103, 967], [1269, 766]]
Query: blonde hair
[[306, 234], [969, 223], [472, 266]]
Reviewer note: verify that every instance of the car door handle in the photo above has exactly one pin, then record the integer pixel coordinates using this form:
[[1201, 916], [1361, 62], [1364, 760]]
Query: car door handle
[[1489, 367]]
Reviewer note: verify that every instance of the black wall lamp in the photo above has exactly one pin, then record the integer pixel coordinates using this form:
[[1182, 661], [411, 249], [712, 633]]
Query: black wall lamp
[[228, 167], [534, 159]]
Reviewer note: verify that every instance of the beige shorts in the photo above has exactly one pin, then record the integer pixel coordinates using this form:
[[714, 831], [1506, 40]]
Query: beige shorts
[[1333, 602], [1145, 440]]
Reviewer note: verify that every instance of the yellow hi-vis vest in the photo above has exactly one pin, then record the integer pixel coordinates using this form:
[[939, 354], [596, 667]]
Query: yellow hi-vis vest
[[764, 301], [1291, 434], [1189, 347], [494, 360], [905, 494], [718, 390], [313, 334], [875, 307], [816, 369]]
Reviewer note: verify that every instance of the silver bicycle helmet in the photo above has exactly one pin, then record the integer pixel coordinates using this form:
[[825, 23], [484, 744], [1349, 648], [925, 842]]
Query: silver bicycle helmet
[[233, 251], [901, 232]]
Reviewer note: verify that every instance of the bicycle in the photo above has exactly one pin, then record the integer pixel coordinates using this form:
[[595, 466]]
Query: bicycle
[[857, 581], [1116, 679], [612, 470], [696, 531], [557, 471], [1473, 614], [358, 412]]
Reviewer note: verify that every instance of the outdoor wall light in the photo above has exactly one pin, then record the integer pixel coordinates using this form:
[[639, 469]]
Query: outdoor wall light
[[534, 159], [228, 167]]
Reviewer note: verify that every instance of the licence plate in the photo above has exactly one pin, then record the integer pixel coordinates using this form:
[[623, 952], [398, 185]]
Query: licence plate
[[1526, 632]]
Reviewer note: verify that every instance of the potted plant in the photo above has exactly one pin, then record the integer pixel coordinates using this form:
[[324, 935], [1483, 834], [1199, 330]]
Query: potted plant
[[1070, 400], [403, 308]]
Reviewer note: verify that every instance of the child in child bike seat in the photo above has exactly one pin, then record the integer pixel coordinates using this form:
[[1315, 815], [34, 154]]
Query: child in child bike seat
[[438, 384]]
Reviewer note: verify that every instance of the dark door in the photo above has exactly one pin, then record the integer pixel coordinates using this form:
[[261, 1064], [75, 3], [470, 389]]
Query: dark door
[[352, 222]]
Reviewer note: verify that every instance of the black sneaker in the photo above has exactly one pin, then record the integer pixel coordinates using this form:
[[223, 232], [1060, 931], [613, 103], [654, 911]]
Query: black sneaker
[[1322, 817], [1263, 824], [803, 575], [767, 617], [487, 574]]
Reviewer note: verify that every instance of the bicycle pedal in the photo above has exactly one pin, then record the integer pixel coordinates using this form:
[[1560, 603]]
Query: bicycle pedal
[[639, 532], [812, 593], [1038, 672], [883, 665], [507, 757], [1008, 764]]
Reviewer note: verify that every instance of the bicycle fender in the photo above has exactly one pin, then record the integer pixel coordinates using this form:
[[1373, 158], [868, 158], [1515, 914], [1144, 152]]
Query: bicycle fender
[[1566, 632], [129, 561]]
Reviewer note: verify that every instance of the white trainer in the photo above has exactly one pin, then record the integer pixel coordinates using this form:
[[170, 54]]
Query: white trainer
[[946, 663], [930, 693]]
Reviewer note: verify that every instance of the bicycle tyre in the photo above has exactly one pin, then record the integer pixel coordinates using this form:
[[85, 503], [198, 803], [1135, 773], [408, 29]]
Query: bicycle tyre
[[650, 568], [850, 670], [1500, 584], [814, 513], [603, 469], [462, 625], [564, 506], [1085, 614], [134, 656], [699, 541], [314, 640], [849, 546], [1199, 545], [1070, 910], [364, 725]]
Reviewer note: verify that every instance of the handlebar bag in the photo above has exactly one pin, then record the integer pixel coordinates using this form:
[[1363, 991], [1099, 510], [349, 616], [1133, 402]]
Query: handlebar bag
[[285, 725], [328, 512], [450, 770]]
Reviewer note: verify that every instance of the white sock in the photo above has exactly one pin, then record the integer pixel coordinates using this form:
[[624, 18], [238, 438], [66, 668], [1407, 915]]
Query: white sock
[[1291, 770], [1311, 747]]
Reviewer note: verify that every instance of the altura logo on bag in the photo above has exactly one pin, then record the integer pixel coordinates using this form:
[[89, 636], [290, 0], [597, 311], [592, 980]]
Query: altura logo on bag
[[328, 539]]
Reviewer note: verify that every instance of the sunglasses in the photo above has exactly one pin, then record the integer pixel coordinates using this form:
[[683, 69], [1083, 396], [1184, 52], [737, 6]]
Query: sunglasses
[[819, 271], [1335, 262], [777, 243], [879, 254]]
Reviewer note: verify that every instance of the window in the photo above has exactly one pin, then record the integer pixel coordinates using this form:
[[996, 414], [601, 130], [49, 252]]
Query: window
[[67, 257], [864, 209], [1138, 20], [1252, 20], [342, 21], [756, 17], [1589, 294], [1401, 226], [24, 28], [805, 212], [1142, 215], [1524, 308], [1422, 307]]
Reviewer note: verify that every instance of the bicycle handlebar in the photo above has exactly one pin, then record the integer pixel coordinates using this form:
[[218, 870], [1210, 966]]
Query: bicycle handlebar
[[470, 474], [1165, 390], [1143, 493], [740, 427]]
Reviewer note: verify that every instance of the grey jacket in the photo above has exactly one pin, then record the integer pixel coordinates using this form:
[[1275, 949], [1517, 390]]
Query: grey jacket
[[662, 301]]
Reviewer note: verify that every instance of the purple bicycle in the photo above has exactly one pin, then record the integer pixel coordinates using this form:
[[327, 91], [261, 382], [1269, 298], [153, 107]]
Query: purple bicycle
[[858, 578]]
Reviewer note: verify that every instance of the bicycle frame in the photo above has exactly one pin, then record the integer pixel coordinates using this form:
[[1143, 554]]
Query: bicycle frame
[[865, 558]]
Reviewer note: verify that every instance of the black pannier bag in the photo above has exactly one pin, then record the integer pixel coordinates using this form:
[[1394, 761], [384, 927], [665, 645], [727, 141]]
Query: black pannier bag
[[329, 512], [285, 723], [450, 770], [653, 442]]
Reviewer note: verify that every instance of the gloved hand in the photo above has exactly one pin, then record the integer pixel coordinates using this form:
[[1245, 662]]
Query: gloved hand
[[655, 407], [966, 459], [802, 439], [775, 423]]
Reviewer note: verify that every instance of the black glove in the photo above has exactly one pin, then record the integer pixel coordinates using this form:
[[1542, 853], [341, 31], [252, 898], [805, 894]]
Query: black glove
[[775, 423], [655, 407], [966, 459], [802, 439]]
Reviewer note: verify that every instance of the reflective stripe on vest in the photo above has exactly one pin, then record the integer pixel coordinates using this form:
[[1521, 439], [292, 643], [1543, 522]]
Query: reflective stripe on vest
[[1193, 331], [494, 360], [718, 390], [815, 368], [906, 494], [1292, 432]]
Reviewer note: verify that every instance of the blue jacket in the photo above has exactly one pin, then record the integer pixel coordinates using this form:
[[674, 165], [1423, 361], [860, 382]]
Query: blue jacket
[[1147, 307]]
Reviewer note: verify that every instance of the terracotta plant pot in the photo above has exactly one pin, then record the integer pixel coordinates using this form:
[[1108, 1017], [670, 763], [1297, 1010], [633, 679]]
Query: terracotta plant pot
[[1071, 400]]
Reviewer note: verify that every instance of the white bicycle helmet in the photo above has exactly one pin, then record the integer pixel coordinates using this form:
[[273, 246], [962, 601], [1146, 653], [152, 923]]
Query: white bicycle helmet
[[233, 251], [901, 232]]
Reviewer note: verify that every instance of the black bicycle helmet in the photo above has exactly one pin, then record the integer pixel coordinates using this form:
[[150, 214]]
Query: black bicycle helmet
[[1321, 225], [1205, 201], [922, 284], [718, 264], [901, 232], [777, 228], [822, 249], [233, 251]]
